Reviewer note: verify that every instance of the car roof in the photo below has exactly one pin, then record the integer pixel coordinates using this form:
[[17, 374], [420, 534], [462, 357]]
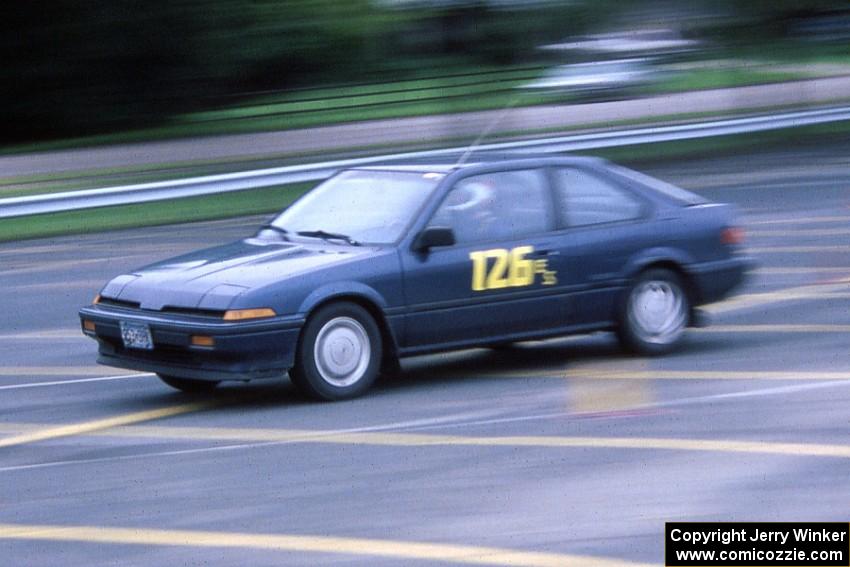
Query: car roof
[[482, 161]]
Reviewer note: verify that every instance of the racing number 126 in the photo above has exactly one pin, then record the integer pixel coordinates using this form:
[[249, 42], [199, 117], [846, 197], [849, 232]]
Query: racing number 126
[[510, 268]]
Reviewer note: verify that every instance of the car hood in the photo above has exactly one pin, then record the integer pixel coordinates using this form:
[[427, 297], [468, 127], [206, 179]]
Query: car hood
[[211, 279]]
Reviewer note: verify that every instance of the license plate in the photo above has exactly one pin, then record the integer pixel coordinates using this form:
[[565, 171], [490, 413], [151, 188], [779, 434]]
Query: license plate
[[136, 335]]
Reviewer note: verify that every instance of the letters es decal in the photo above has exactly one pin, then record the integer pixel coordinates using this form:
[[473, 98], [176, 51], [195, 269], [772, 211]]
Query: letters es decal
[[500, 268]]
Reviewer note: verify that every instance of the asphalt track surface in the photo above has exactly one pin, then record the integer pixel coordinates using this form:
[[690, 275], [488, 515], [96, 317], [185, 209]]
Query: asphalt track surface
[[564, 452]]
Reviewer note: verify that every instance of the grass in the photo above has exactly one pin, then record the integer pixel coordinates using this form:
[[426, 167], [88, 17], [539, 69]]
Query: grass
[[65, 182], [800, 52], [208, 207], [401, 92], [718, 79], [488, 89]]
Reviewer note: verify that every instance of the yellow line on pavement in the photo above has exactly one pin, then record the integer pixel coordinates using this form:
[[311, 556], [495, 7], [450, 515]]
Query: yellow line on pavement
[[101, 424], [770, 271], [92, 285], [37, 267], [20, 427], [38, 249], [400, 439], [598, 373], [122, 427], [798, 249], [779, 328], [793, 232], [47, 335], [367, 547], [57, 371], [804, 220], [824, 296], [819, 291], [612, 372]]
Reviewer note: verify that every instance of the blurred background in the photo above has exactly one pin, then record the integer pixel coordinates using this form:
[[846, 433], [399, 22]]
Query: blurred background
[[188, 67], [122, 115]]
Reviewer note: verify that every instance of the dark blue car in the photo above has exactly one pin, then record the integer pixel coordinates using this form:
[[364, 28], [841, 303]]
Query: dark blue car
[[383, 262]]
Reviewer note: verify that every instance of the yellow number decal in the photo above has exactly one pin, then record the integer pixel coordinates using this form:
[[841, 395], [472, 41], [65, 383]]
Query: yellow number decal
[[497, 278], [522, 270], [549, 276], [479, 267], [510, 268]]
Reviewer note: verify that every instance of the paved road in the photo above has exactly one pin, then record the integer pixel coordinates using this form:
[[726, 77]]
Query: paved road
[[562, 452], [427, 129]]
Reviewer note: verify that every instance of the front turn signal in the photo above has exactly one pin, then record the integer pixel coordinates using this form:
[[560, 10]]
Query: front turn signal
[[202, 340], [243, 314]]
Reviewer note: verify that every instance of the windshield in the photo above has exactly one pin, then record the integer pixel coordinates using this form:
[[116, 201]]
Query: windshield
[[365, 206]]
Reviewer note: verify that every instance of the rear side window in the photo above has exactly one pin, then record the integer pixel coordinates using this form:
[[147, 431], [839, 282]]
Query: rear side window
[[586, 199], [677, 194], [497, 206]]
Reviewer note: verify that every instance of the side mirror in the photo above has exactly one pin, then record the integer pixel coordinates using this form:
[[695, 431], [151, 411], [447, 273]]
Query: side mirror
[[434, 236]]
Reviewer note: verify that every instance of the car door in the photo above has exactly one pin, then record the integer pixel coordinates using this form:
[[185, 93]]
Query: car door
[[604, 224], [500, 277]]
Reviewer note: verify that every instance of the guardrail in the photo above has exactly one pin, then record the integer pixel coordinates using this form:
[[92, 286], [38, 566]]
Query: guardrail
[[215, 184]]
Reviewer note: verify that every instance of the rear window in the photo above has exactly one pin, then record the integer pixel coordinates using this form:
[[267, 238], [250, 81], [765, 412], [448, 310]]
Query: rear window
[[672, 192]]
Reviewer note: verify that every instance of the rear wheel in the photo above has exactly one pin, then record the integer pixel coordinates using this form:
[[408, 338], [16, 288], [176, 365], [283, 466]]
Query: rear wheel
[[654, 313], [339, 354], [189, 385]]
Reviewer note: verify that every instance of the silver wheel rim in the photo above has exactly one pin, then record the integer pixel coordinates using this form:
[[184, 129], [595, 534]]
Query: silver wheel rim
[[657, 311], [342, 351]]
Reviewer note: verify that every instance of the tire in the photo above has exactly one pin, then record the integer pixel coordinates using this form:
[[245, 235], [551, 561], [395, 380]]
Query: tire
[[189, 385], [654, 313], [339, 353], [391, 366]]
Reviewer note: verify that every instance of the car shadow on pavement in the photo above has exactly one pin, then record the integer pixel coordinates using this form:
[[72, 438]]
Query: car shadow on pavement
[[525, 360], [518, 361]]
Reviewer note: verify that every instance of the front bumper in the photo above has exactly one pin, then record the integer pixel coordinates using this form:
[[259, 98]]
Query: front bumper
[[243, 350]]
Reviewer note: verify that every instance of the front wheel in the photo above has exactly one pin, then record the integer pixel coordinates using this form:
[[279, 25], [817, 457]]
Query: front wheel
[[188, 385], [654, 313], [339, 354]]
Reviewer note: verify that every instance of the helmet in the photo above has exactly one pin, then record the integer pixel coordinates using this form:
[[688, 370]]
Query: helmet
[[470, 196]]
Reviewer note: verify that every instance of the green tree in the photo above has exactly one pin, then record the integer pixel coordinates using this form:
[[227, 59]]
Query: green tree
[[75, 67]]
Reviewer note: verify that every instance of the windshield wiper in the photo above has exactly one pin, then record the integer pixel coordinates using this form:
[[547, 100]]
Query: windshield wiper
[[328, 236], [282, 231]]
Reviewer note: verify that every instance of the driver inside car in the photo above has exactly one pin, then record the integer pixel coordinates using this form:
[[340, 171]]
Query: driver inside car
[[470, 210]]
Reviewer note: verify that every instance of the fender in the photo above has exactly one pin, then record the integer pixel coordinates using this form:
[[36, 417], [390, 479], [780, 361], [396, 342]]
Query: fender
[[654, 255], [349, 289], [340, 289]]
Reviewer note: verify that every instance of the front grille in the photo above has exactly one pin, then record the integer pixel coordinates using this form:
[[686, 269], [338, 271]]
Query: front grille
[[119, 303], [136, 306], [194, 312]]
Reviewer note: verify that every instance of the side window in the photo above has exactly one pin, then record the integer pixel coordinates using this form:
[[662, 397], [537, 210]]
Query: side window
[[586, 199], [497, 206]]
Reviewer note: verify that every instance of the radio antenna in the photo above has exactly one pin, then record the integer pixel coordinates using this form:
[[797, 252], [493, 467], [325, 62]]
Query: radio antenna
[[486, 132]]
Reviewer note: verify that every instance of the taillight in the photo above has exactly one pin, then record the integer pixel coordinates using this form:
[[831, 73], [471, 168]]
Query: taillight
[[732, 235]]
